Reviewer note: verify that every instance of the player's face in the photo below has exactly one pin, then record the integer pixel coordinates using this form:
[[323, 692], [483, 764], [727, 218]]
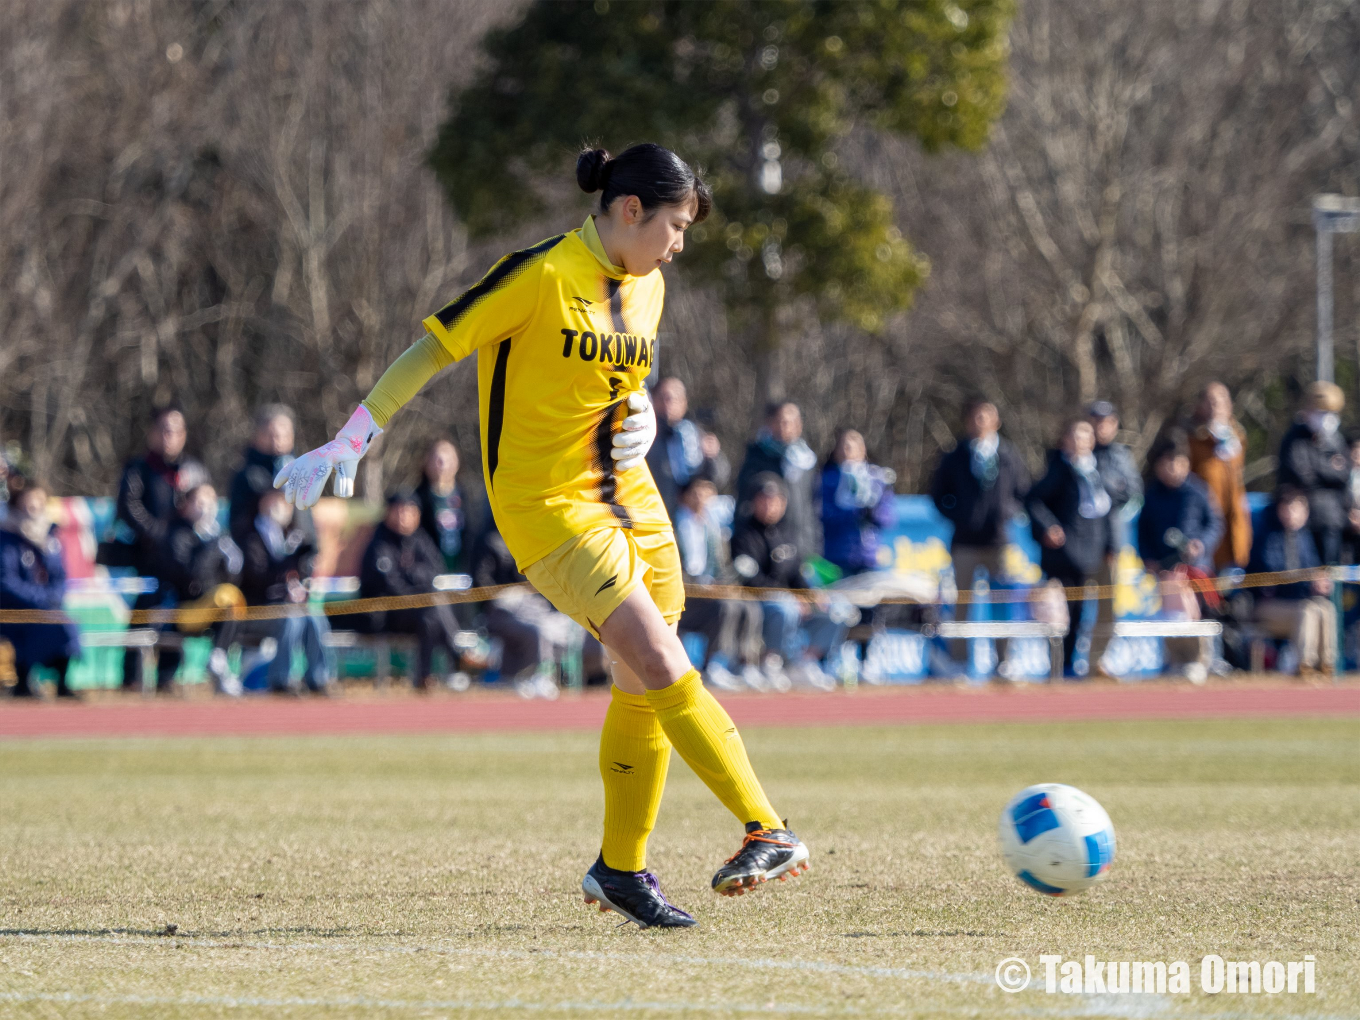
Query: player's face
[[650, 239]]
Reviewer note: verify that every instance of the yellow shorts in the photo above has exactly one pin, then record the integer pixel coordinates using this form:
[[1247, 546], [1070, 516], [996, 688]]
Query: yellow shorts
[[589, 576]]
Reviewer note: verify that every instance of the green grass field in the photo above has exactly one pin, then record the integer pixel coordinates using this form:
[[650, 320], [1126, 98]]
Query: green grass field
[[438, 876]]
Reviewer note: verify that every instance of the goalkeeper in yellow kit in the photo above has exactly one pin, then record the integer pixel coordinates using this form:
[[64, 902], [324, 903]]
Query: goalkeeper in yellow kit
[[565, 332]]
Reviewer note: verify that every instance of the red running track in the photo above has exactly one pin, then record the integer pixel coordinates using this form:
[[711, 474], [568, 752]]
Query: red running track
[[488, 712]]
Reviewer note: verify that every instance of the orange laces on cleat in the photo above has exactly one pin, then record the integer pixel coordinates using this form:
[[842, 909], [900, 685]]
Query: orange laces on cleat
[[757, 837]]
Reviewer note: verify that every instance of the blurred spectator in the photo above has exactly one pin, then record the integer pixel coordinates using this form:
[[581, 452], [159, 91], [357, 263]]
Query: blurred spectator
[[1124, 483], [682, 449], [269, 452], [1180, 522], [780, 450], [401, 559], [1352, 540], [857, 504], [1069, 513], [979, 486], [1315, 460], [277, 558], [731, 628], [1301, 611], [1118, 471], [32, 577], [197, 570], [444, 507], [765, 555], [519, 618], [1218, 456], [149, 493]]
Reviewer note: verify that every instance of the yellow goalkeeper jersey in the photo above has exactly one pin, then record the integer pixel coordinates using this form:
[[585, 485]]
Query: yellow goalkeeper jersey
[[562, 338]]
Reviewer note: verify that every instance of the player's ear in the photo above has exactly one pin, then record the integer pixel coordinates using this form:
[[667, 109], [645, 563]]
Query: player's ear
[[632, 209]]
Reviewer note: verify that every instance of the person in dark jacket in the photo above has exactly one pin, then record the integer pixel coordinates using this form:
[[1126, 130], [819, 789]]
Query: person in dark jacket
[[519, 618], [402, 559], [979, 486], [857, 504], [682, 449], [780, 450], [1315, 460], [1180, 521], [270, 451], [446, 509], [1069, 513], [1124, 483], [32, 577], [149, 494], [765, 555], [1301, 611], [277, 557], [199, 566]]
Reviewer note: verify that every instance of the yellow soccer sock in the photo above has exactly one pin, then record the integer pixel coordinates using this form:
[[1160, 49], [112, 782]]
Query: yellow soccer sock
[[634, 757], [703, 733]]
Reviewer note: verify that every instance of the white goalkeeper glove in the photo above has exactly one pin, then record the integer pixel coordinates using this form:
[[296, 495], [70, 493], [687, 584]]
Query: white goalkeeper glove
[[304, 479], [635, 438]]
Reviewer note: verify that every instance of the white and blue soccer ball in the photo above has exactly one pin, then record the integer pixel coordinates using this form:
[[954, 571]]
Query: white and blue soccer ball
[[1056, 839]]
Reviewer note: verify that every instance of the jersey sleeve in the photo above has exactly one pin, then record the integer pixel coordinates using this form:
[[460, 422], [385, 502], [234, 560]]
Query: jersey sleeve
[[499, 305], [404, 378]]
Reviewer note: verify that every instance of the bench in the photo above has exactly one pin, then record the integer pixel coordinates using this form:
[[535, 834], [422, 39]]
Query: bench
[[970, 629], [1204, 630], [142, 640]]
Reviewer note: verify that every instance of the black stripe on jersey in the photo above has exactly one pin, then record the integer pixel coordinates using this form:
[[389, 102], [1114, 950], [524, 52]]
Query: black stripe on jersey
[[604, 445], [495, 412], [616, 305], [501, 273]]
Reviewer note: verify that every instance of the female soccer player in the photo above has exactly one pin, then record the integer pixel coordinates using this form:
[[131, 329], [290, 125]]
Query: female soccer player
[[566, 333]]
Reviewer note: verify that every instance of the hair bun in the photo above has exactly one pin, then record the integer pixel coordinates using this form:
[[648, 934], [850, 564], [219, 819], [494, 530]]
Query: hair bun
[[592, 167]]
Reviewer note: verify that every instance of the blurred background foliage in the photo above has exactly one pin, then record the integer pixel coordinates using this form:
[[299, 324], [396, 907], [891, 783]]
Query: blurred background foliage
[[227, 203]]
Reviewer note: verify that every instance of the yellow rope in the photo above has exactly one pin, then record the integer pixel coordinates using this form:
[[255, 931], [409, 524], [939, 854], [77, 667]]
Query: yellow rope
[[696, 591]]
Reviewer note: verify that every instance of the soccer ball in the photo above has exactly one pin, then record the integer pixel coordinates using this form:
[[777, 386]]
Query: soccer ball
[[1056, 839]]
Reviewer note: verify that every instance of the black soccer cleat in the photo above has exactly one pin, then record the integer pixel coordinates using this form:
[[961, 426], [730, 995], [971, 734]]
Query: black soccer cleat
[[764, 854], [636, 895]]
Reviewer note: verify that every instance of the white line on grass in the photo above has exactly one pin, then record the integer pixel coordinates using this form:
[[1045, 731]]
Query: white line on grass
[[1108, 1006], [756, 963]]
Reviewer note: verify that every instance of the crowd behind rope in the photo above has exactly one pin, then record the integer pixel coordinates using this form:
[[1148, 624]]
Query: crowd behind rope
[[789, 521]]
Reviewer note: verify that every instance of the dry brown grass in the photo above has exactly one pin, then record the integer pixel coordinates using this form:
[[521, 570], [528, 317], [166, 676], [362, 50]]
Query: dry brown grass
[[429, 877]]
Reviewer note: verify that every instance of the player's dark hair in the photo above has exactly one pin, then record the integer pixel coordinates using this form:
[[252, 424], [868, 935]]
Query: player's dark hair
[[657, 176]]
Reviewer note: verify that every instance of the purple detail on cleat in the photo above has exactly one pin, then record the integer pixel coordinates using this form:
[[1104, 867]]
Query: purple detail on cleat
[[651, 882]]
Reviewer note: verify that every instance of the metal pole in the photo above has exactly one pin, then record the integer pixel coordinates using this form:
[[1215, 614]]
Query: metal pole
[[1324, 303]]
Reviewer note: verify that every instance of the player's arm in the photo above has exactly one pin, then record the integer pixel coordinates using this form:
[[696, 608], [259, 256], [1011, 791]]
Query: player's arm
[[500, 305]]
